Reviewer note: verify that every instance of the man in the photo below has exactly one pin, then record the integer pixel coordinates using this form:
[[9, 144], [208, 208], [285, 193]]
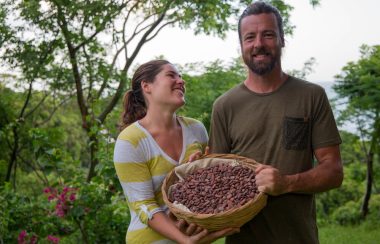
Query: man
[[283, 123]]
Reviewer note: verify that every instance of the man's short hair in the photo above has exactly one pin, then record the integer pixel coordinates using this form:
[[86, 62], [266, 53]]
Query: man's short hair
[[257, 8]]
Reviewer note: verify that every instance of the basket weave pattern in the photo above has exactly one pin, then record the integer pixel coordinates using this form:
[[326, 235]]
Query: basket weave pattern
[[235, 217]]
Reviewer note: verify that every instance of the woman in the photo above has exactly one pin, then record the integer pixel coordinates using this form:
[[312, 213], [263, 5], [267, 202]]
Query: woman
[[153, 141]]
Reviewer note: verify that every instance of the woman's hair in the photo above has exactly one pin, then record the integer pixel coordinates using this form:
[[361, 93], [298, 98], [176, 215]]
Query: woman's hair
[[134, 105]]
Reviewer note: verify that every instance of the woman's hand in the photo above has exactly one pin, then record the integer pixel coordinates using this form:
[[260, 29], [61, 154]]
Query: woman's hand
[[199, 235], [184, 227], [198, 154]]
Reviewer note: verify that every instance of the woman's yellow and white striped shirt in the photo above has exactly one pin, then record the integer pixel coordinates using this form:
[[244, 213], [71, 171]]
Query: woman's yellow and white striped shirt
[[142, 165]]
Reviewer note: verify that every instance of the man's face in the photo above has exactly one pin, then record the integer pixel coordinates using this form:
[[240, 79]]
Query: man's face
[[260, 43]]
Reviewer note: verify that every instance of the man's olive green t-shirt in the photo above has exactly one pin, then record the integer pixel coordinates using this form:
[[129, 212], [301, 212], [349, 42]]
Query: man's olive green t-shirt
[[282, 129]]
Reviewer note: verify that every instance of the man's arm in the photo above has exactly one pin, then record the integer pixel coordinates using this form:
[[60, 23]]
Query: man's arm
[[326, 175]]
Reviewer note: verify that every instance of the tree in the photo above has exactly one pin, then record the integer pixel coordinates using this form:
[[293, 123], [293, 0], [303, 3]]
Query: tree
[[91, 45], [16, 125], [359, 84], [202, 89]]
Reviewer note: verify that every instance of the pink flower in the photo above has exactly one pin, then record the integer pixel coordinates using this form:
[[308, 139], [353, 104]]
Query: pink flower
[[21, 237], [51, 197], [53, 239], [33, 240], [72, 197], [59, 210], [63, 199]]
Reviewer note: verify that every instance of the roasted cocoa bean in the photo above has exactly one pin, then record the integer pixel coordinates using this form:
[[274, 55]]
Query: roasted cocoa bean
[[216, 189]]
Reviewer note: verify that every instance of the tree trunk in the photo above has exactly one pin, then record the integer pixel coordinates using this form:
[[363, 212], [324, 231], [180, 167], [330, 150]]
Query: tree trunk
[[13, 156], [94, 146], [369, 178]]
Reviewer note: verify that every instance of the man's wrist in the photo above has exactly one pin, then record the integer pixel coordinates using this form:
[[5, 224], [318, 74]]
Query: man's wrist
[[289, 183]]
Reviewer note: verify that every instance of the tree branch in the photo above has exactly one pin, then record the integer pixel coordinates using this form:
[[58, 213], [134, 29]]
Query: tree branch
[[44, 178], [74, 65], [155, 34], [128, 63], [54, 110], [38, 105]]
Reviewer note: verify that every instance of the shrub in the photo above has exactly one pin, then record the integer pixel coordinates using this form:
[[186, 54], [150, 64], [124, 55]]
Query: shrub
[[347, 214]]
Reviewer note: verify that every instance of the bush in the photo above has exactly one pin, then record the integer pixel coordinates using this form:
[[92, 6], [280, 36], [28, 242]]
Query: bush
[[373, 218], [81, 213], [352, 189], [347, 214]]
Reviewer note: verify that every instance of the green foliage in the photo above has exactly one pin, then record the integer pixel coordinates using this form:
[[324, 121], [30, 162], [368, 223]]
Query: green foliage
[[22, 212], [349, 213], [202, 89], [372, 220], [92, 215], [359, 85], [342, 206], [306, 69], [351, 190], [352, 148], [359, 80]]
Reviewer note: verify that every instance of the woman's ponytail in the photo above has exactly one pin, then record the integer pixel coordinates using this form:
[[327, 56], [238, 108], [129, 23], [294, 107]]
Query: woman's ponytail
[[134, 109]]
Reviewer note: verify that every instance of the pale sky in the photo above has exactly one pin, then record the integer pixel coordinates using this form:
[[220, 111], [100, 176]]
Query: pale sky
[[332, 33]]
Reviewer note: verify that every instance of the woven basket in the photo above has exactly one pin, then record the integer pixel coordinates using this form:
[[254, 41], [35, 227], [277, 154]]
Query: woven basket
[[234, 217]]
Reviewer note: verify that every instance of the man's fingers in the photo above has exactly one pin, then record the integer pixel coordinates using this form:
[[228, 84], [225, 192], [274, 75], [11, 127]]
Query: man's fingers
[[261, 189], [260, 167]]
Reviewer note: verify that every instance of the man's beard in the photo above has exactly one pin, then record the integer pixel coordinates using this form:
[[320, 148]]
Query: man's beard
[[261, 67]]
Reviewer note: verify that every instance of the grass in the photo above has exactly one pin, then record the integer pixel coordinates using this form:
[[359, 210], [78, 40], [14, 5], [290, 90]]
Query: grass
[[219, 241], [362, 234], [333, 234]]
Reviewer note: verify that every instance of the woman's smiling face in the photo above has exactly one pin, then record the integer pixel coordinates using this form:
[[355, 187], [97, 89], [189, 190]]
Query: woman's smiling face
[[168, 88]]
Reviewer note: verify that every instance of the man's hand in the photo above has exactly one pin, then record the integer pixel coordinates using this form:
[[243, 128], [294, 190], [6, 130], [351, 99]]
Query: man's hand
[[270, 181]]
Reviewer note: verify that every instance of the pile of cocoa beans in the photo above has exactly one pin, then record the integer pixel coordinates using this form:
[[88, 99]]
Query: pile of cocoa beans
[[216, 189]]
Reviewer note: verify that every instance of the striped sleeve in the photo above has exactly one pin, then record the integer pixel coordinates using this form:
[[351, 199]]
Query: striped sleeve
[[135, 179], [197, 137]]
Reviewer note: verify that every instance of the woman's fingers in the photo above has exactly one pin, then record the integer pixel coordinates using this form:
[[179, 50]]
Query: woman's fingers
[[198, 154], [195, 156], [181, 225], [191, 229], [206, 237], [207, 150]]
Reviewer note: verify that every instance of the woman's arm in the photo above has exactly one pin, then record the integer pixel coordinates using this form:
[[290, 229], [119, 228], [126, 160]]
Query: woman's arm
[[162, 224]]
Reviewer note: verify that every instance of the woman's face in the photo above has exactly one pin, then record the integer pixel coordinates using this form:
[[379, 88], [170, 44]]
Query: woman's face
[[167, 89]]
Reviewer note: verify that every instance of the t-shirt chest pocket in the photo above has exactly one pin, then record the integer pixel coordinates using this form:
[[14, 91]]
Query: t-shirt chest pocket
[[295, 133]]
